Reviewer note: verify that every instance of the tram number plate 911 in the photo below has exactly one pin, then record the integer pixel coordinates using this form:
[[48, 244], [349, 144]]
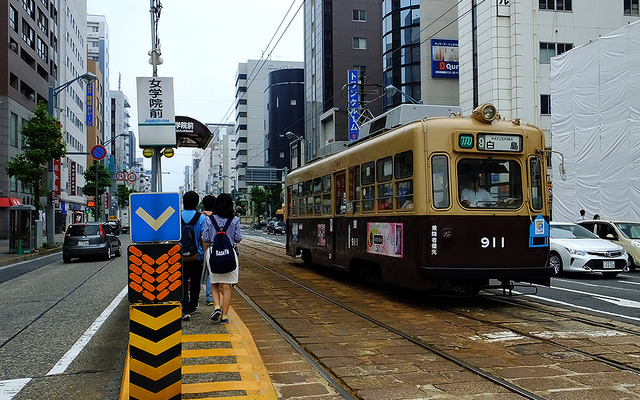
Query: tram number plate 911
[[608, 264]]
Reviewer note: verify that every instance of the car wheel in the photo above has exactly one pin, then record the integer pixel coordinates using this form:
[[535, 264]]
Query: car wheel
[[610, 274], [556, 263], [66, 259], [108, 255], [119, 250], [632, 265]]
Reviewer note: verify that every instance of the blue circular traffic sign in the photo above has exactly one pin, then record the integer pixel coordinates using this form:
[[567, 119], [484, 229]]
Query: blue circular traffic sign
[[98, 152]]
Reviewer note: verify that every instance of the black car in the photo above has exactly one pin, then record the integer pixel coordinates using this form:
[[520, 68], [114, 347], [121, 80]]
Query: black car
[[90, 240], [276, 227]]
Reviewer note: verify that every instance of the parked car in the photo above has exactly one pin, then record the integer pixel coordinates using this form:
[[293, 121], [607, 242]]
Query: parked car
[[575, 249], [276, 227], [90, 240], [623, 233]]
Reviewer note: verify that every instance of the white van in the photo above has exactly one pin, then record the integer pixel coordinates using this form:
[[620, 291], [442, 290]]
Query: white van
[[124, 220]]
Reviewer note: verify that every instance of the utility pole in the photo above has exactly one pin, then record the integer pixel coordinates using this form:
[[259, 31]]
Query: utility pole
[[155, 60]]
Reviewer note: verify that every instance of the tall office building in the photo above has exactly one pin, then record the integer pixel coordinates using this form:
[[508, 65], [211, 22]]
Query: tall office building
[[98, 51], [251, 83], [339, 36], [29, 44]]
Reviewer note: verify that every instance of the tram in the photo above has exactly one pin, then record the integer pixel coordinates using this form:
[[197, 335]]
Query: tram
[[442, 203]]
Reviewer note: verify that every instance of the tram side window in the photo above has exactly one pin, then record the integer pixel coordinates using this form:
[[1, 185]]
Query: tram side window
[[317, 195], [403, 168], [354, 188], [341, 194], [326, 194], [384, 170], [292, 196], [535, 171], [368, 180], [440, 181], [308, 196]]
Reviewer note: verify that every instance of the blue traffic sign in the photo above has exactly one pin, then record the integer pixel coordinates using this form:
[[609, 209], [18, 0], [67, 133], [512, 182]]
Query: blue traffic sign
[[155, 217], [98, 152]]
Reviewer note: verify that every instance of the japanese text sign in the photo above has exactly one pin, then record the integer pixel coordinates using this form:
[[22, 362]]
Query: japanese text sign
[[156, 112]]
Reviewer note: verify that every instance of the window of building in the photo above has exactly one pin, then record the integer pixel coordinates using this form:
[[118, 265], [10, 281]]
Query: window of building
[[360, 43], [43, 22], [548, 50], [293, 102], [13, 130], [558, 5], [30, 7], [545, 104], [631, 7], [360, 15], [362, 69], [13, 18], [28, 34], [43, 50]]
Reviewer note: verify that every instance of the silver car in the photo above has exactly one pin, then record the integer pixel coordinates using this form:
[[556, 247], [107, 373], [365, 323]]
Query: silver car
[[575, 249]]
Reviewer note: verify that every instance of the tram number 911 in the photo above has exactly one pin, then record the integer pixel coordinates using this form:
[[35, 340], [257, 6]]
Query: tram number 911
[[493, 242]]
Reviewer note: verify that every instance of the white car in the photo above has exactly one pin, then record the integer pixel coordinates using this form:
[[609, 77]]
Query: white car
[[575, 249]]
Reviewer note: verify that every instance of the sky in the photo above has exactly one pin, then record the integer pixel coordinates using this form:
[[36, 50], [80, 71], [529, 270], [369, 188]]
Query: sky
[[202, 43]]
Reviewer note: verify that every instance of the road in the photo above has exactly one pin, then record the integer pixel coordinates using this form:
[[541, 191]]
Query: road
[[65, 326]]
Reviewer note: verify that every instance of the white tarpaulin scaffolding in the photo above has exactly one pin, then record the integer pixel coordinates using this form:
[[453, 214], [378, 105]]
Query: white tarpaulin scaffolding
[[595, 115]]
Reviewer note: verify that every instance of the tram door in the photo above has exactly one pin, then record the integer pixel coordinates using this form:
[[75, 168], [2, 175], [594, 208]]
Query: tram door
[[340, 228]]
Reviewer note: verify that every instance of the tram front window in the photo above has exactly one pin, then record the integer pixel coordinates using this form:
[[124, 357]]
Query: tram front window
[[489, 183]]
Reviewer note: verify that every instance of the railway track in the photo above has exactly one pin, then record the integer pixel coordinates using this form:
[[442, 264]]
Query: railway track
[[457, 336]]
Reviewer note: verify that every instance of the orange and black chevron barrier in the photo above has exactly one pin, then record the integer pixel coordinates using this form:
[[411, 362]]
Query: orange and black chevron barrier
[[155, 347], [155, 272]]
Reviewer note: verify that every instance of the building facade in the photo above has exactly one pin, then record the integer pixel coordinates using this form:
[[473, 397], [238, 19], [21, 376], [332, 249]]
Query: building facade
[[339, 36]]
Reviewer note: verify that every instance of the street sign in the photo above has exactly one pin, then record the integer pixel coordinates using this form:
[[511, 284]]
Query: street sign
[[98, 152], [156, 112], [155, 272], [132, 177], [120, 176], [155, 217]]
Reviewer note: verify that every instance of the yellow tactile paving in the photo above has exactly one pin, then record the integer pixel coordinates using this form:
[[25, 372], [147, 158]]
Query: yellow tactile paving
[[254, 379]]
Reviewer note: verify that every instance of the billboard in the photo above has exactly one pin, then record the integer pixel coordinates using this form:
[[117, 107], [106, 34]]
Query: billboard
[[444, 58]]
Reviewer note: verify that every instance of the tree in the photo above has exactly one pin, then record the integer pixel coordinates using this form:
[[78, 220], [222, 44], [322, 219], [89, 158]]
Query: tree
[[274, 199], [259, 197], [103, 181], [43, 143], [122, 195]]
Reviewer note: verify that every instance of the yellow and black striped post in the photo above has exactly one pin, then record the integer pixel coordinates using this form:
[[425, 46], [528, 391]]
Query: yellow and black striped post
[[155, 347], [155, 324]]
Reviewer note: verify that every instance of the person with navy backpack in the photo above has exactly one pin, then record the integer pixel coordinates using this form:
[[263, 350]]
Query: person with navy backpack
[[192, 224], [222, 223]]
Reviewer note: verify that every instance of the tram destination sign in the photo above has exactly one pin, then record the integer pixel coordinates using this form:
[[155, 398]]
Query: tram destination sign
[[497, 142]]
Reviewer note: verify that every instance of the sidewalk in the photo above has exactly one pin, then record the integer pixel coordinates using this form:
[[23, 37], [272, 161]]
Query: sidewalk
[[9, 258]]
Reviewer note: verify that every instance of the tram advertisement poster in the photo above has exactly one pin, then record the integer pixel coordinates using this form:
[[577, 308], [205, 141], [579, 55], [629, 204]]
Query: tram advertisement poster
[[385, 238]]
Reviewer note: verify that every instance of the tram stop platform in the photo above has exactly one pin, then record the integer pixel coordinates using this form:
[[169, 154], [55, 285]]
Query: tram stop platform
[[244, 359]]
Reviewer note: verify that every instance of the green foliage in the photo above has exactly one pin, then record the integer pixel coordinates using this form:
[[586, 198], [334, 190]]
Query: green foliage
[[122, 194], [43, 143], [259, 197]]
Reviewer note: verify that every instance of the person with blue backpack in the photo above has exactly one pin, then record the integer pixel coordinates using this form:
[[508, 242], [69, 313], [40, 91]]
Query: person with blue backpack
[[192, 224], [220, 234]]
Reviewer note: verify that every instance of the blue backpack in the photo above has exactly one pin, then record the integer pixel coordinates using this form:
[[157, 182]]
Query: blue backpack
[[223, 256], [188, 239]]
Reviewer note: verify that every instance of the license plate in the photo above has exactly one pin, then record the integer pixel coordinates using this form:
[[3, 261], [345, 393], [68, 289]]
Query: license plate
[[86, 243], [608, 264]]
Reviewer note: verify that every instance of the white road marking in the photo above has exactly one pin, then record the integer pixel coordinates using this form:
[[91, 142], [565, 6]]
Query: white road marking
[[12, 387], [66, 360]]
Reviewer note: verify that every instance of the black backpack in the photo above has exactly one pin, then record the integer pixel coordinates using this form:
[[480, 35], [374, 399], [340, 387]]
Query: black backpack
[[222, 258], [188, 240]]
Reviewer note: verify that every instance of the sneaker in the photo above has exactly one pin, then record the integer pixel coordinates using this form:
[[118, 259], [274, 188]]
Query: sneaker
[[186, 317], [210, 303], [216, 314], [224, 321]]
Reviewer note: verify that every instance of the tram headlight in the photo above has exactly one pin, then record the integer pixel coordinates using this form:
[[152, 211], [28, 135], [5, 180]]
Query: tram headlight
[[485, 113]]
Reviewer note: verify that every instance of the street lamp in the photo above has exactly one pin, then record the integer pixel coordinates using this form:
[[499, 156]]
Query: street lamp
[[95, 200], [88, 77], [307, 143], [392, 90]]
